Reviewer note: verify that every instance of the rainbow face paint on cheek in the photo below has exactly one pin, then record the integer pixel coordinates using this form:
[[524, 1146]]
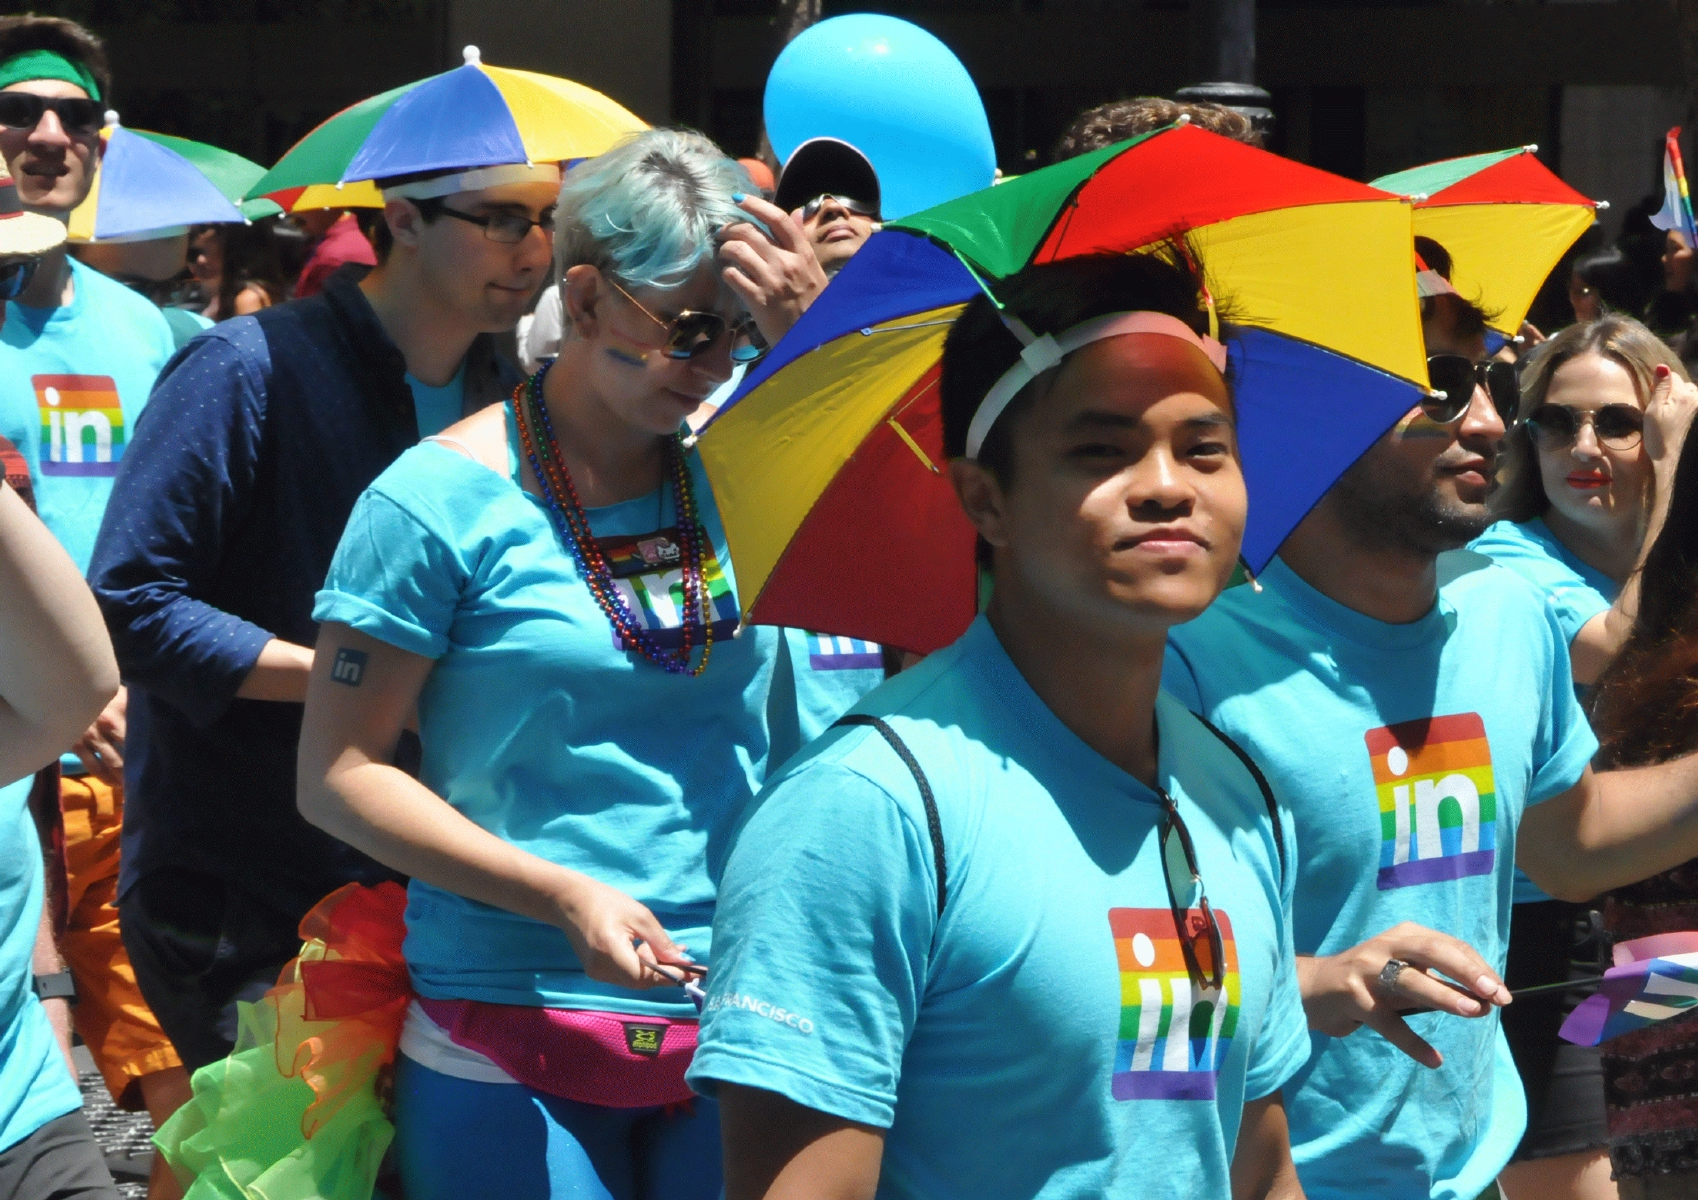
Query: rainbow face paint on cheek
[[630, 360]]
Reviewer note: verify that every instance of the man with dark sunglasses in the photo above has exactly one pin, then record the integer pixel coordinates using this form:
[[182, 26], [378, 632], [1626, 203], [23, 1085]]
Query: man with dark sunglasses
[[1418, 718], [262, 434], [1025, 937], [831, 190]]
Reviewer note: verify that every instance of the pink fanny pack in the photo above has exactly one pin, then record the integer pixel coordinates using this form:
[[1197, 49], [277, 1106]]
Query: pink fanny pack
[[611, 1059]]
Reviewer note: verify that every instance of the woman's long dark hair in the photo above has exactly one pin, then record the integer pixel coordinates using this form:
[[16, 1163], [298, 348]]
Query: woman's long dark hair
[[1646, 706]]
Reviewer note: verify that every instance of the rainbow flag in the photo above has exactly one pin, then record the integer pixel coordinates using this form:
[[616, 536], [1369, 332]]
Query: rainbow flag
[[1173, 1034], [1437, 797], [1654, 978], [1676, 212]]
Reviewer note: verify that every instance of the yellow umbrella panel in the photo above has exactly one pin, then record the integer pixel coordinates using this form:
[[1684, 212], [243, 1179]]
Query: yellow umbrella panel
[[1505, 219]]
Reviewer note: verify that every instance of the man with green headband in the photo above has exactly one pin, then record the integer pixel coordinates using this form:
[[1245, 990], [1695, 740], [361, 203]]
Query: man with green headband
[[79, 354]]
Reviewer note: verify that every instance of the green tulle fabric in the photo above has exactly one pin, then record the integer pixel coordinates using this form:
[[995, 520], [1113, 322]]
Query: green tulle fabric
[[297, 1111]]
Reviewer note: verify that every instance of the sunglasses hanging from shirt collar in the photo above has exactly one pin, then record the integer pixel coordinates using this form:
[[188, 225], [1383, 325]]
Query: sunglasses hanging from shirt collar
[[1185, 892]]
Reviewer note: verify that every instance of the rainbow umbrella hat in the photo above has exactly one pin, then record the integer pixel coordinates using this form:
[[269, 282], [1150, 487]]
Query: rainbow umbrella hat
[[1505, 218], [472, 116], [826, 461], [147, 183]]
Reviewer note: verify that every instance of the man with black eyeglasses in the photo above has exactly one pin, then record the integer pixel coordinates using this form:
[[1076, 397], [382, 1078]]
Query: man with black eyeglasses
[[1417, 718], [229, 506]]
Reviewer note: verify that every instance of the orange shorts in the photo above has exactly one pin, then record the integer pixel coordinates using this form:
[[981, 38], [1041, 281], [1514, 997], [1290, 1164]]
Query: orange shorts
[[110, 1015]]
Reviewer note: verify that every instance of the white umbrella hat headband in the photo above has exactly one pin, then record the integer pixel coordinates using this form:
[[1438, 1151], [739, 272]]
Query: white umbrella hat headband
[[1042, 353], [474, 180]]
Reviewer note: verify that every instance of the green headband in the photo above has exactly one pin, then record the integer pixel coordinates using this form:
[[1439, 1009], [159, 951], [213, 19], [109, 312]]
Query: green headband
[[47, 64]]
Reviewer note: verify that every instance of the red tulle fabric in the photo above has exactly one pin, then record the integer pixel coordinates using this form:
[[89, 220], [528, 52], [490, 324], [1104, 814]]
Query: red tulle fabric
[[350, 972], [351, 987]]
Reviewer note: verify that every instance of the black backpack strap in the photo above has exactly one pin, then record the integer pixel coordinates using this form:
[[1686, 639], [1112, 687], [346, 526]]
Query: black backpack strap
[[933, 825], [1261, 782]]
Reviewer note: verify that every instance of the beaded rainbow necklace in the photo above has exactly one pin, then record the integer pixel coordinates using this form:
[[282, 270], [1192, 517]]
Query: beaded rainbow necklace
[[548, 464]]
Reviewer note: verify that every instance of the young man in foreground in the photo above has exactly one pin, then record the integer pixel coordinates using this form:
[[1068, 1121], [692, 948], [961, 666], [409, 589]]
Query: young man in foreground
[[1073, 977]]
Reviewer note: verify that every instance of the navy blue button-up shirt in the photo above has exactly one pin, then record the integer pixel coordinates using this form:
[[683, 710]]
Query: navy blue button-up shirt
[[227, 508]]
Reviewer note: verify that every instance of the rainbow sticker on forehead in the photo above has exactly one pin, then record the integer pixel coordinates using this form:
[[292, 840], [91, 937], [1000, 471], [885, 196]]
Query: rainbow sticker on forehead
[[1174, 1035], [1437, 799]]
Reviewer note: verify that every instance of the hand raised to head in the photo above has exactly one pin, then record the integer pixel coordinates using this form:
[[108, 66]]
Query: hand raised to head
[[776, 276]]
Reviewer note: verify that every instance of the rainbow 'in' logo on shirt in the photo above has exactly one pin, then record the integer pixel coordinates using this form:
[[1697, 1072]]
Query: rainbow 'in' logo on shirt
[[1438, 802], [648, 570], [1173, 1034], [828, 653], [82, 424]]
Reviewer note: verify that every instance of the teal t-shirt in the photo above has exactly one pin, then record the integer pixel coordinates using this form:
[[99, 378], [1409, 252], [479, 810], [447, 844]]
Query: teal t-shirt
[[438, 407], [35, 1086], [1405, 755], [818, 679], [1577, 593], [540, 728], [1042, 1038], [73, 381]]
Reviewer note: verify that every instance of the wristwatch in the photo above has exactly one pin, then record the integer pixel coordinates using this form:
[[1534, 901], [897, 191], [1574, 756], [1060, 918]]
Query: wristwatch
[[58, 986]]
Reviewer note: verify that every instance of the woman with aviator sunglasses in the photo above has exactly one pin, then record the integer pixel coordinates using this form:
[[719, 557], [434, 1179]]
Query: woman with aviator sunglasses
[[1586, 473], [1584, 480], [548, 583]]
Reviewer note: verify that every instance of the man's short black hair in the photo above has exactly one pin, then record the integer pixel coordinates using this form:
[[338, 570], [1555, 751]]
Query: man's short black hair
[[382, 237], [1052, 298], [26, 32], [1470, 319]]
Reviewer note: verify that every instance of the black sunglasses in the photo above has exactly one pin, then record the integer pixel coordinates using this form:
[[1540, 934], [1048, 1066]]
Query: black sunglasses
[[508, 228], [1457, 377], [1179, 858], [691, 333], [861, 209], [15, 277], [1556, 426], [23, 110]]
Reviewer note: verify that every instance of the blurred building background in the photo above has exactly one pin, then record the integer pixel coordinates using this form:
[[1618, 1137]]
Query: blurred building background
[[1358, 88]]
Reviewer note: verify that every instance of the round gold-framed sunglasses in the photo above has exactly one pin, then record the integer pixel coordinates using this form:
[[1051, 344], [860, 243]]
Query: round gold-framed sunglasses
[[691, 333]]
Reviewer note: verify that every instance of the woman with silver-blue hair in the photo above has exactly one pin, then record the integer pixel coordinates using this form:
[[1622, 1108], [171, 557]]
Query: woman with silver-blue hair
[[547, 585]]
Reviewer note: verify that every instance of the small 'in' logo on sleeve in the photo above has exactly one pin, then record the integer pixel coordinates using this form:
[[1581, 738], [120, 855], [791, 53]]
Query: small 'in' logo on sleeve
[[349, 667]]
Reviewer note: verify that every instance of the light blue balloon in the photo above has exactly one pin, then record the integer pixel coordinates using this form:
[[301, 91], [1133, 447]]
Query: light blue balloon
[[897, 94]]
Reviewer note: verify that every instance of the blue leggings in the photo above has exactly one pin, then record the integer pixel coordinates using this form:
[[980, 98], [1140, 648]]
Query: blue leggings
[[459, 1139]]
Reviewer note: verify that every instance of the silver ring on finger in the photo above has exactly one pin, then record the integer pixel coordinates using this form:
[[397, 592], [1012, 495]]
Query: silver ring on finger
[[1389, 973]]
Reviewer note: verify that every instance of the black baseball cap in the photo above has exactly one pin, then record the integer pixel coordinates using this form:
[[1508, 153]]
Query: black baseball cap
[[826, 165]]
